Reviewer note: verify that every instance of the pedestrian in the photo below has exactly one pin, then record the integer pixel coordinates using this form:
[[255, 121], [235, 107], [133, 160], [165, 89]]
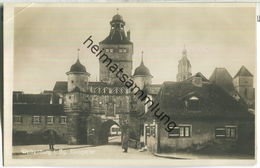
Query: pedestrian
[[125, 142], [51, 139]]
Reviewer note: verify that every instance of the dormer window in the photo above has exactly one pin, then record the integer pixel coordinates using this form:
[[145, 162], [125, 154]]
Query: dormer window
[[193, 104]]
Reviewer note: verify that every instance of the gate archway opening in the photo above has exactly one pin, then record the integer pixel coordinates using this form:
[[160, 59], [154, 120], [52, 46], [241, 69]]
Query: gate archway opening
[[110, 133]]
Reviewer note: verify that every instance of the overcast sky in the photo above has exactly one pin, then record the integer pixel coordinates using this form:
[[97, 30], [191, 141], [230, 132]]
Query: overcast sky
[[46, 41]]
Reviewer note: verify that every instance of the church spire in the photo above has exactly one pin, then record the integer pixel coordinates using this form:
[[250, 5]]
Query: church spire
[[184, 67]]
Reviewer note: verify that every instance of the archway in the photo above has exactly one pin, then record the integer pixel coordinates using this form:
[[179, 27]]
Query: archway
[[110, 133]]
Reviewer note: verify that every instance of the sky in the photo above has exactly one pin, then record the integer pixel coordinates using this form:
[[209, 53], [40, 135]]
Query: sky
[[46, 40]]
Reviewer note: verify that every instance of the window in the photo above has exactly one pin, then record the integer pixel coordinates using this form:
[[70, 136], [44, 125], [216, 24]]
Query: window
[[50, 119], [123, 90], [152, 131], [226, 132], [18, 119], [231, 131], [119, 91], [60, 100], [63, 120], [180, 131], [122, 50], [106, 90], [102, 90], [111, 50], [147, 130], [36, 119], [193, 104], [114, 90], [72, 81], [96, 90], [107, 50]]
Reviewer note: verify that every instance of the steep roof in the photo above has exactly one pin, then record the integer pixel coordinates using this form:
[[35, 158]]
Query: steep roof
[[214, 101], [222, 78], [60, 86], [243, 72]]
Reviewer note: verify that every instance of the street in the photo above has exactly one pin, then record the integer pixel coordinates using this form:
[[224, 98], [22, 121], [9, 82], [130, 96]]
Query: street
[[110, 151]]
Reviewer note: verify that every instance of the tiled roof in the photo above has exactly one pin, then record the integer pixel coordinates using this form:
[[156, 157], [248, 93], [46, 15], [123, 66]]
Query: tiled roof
[[243, 72], [31, 98], [38, 109], [61, 86], [214, 101]]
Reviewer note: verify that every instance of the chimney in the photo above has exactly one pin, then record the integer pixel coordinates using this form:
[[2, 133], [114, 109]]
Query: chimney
[[128, 35]]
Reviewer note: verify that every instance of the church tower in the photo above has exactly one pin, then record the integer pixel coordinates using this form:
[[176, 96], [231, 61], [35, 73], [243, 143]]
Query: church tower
[[118, 47], [184, 67]]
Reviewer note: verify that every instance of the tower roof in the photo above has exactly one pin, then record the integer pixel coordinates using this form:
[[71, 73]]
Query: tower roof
[[77, 67], [117, 33], [142, 70], [222, 78], [243, 72]]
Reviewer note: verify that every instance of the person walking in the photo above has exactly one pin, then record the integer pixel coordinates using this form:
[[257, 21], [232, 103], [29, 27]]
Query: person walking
[[125, 142], [51, 140]]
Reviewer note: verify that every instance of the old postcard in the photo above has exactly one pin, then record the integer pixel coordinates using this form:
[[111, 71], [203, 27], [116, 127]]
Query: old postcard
[[130, 84]]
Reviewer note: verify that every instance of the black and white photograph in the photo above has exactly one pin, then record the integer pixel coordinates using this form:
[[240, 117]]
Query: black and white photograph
[[130, 84]]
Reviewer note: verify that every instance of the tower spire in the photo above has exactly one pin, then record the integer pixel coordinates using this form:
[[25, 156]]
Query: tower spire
[[117, 10], [142, 58], [184, 52], [78, 53]]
